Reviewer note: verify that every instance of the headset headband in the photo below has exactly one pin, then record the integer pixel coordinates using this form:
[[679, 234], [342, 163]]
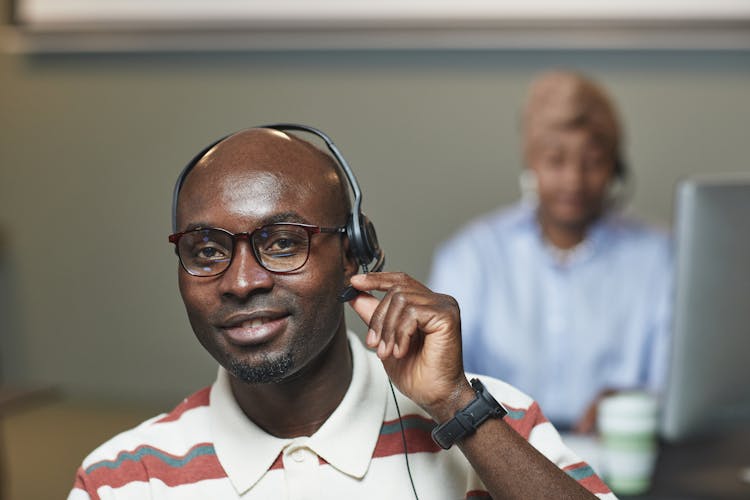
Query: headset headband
[[360, 230]]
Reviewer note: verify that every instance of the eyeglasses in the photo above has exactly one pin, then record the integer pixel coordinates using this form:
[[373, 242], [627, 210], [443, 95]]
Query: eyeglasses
[[279, 248]]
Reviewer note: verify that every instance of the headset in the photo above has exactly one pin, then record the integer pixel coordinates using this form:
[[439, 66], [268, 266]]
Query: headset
[[363, 240], [621, 171]]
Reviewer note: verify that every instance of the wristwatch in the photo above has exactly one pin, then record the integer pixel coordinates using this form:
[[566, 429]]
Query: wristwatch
[[468, 420]]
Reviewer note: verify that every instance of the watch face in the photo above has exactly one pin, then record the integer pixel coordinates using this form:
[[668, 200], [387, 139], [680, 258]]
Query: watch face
[[485, 394]]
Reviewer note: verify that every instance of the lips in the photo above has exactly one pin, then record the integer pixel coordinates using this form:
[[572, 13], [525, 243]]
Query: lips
[[254, 328], [576, 203]]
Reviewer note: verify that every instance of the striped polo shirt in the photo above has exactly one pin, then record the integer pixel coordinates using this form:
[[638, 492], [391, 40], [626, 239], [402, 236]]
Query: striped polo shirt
[[206, 448]]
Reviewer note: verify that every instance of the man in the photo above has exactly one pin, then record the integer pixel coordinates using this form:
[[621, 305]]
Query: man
[[561, 296], [300, 409]]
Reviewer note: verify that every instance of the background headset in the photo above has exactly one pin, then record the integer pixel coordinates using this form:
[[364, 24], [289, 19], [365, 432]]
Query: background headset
[[363, 241]]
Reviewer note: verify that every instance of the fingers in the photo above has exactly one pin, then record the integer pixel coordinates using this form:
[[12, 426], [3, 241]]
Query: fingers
[[385, 281], [391, 321], [407, 312], [396, 321], [364, 305]]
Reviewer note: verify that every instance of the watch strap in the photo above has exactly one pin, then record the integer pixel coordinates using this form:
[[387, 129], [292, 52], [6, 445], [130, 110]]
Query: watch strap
[[467, 420]]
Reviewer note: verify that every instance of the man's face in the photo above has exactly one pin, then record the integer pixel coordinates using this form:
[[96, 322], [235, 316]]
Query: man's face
[[573, 172], [261, 326]]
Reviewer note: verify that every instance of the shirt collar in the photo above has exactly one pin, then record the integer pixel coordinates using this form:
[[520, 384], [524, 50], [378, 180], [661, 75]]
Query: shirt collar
[[595, 241], [346, 440]]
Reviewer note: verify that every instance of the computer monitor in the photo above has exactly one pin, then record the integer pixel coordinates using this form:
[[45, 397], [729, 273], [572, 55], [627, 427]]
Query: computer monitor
[[708, 385]]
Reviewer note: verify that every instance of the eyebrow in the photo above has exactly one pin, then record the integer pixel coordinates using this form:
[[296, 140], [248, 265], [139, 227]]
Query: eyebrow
[[272, 219], [285, 217]]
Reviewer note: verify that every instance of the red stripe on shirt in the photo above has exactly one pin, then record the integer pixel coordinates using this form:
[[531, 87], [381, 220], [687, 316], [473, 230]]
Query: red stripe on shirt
[[592, 483], [196, 400], [417, 439], [148, 467], [532, 416], [80, 484], [278, 463]]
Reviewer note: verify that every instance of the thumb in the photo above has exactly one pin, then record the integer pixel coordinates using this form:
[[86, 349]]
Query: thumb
[[364, 304]]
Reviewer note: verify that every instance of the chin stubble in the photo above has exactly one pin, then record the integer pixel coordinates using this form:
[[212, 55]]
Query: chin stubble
[[267, 371]]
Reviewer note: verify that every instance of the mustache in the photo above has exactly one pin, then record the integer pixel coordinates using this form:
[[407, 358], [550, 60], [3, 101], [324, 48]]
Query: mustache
[[286, 303], [251, 305]]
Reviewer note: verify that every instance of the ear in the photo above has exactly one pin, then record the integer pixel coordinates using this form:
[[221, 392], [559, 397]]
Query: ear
[[348, 261]]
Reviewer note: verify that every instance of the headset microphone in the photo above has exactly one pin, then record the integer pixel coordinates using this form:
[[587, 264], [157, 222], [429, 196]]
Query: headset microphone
[[350, 293]]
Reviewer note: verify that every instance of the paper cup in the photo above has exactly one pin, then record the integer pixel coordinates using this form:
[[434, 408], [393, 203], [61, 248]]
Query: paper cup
[[628, 423]]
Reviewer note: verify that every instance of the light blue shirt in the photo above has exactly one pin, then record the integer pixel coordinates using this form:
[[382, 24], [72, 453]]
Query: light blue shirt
[[561, 331]]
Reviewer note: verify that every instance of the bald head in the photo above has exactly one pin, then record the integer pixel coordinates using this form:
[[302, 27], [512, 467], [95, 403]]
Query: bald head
[[566, 100], [259, 166], [264, 324]]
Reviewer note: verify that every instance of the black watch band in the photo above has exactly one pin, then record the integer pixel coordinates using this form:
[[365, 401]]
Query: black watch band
[[470, 418]]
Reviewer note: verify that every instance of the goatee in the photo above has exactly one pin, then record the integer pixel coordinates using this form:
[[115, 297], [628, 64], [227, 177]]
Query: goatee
[[269, 370]]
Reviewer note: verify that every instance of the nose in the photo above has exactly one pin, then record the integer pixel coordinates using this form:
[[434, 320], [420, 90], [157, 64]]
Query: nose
[[574, 173], [245, 276]]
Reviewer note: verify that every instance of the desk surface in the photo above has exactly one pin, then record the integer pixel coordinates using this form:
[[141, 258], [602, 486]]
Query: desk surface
[[11, 399], [710, 467]]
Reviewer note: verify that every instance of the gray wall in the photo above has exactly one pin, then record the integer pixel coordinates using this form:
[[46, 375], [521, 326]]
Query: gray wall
[[91, 145]]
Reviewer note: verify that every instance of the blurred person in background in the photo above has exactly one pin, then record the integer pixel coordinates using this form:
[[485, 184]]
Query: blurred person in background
[[560, 294]]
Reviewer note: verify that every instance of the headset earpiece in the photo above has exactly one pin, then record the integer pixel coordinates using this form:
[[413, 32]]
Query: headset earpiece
[[620, 187], [363, 240], [621, 168]]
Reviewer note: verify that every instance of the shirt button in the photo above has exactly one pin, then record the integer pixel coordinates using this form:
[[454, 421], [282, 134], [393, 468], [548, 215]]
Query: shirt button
[[298, 456]]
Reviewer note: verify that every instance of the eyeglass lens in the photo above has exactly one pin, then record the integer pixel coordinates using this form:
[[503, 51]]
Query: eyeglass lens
[[278, 248]]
